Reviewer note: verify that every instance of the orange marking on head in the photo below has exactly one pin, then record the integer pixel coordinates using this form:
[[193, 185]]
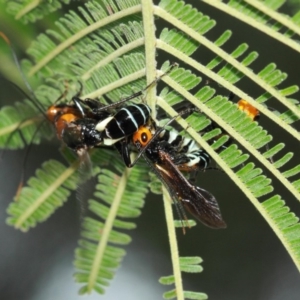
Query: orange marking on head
[[249, 110], [62, 122], [68, 118], [142, 136], [55, 112]]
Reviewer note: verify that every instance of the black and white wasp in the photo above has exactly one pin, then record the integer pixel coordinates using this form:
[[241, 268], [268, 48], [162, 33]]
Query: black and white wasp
[[167, 164], [188, 156]]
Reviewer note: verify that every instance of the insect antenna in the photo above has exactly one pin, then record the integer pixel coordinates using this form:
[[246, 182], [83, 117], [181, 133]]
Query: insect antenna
[[85, 172], [22, 176], [139, 93], [21, 123], [12, 134], [32, 98], [65, 92]]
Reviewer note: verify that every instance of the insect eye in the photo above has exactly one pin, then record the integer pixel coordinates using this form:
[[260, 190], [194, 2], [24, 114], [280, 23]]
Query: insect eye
[[144, 137]]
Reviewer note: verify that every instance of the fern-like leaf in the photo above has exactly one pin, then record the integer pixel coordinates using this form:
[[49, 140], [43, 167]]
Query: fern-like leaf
[[96, 258], [110, 46], [44, 194], [31, 11], [180, 264]]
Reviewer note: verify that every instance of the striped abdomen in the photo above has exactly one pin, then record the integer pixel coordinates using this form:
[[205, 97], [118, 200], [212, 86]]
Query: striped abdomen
[[124, 123], [187, 154]]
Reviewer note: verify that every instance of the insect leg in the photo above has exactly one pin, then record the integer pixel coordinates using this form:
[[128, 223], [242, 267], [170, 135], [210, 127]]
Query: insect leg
[[122, 147]]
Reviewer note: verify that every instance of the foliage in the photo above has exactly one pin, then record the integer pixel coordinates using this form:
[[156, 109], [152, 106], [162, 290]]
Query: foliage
[[110, 46]]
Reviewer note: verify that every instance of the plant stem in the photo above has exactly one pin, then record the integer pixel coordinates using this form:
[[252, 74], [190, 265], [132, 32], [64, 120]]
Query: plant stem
[[173, 245]]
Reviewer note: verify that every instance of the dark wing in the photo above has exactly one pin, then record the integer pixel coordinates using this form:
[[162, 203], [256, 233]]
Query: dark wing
[[200, 203], [203, 206], [86, 181]]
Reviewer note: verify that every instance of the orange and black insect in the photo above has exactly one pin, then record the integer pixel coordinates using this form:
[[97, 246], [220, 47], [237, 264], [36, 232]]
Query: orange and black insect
[[85, 124]]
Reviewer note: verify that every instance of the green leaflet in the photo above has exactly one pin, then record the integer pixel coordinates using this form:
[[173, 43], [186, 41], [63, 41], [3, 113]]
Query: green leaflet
[[96, 258], [31, 11], [44, 194]]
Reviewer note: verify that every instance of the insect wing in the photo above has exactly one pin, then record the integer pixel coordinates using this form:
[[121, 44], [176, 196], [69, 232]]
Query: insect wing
[[200, 203], [204, 206]]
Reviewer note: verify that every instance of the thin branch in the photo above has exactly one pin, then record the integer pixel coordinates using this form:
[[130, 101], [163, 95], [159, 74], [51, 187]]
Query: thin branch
[[107, 230], [116, 84], [217, 78], [46, 194], [173, 245], [256, 24], [82, 33], [280, 18], [150, 40], [110, 58], [227, 57], [195, 135], [27, 8], [191, 98]]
